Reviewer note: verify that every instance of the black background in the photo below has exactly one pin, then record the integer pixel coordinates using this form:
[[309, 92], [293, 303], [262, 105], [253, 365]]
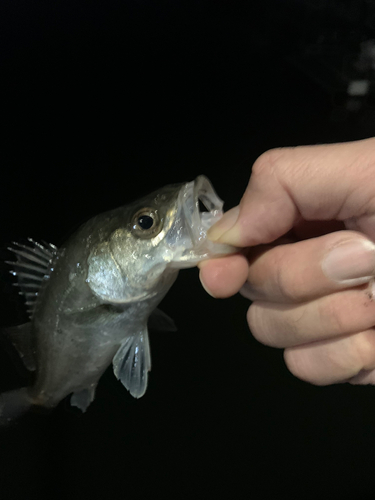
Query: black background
[[102, 102]]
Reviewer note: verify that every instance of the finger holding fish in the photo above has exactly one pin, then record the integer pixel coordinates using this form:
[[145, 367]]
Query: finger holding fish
[[312, 296], [223, 277]]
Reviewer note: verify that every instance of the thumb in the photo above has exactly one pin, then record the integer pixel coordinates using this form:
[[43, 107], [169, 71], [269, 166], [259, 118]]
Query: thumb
[[328, 182]]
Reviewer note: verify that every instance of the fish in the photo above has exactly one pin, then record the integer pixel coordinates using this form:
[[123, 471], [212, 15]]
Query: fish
[[91, 301]]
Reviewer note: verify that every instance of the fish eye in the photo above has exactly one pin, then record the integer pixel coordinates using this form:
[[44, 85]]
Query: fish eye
[[146, 223]]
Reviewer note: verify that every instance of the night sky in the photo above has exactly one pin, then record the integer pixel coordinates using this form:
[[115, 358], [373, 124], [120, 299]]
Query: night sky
[[103, 102]]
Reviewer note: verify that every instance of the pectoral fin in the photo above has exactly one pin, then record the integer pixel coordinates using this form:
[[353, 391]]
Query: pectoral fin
[[132, 362]]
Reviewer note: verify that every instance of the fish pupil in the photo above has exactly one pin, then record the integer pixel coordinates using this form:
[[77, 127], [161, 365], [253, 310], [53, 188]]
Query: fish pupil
[[145, 222]]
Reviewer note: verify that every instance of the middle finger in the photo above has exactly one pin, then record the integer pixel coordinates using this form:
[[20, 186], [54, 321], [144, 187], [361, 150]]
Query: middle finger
[[285, 325]]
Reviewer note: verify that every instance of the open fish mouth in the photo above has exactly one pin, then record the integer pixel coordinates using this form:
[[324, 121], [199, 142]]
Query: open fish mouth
[[194, 195], [199, 207]]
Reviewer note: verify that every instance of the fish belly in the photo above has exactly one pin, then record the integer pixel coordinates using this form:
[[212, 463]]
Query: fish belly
[[72, 363]]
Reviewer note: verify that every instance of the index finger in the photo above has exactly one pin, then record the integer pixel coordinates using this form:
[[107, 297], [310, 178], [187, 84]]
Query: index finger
[[316, 182]]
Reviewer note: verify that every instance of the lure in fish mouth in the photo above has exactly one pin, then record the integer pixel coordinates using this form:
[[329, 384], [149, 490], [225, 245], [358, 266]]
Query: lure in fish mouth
[[90, 302]]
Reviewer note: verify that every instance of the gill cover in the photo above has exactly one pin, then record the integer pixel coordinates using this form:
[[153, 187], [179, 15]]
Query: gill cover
[[105, 277], [125, 268]]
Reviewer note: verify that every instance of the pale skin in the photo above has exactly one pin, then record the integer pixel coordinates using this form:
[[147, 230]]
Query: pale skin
[[306, 227]]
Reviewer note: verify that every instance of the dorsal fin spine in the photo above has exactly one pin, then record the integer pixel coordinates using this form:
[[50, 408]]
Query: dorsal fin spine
[[26, 265], [42, 248], [26, 275], [35, 250], [27, 256], [32, 267]]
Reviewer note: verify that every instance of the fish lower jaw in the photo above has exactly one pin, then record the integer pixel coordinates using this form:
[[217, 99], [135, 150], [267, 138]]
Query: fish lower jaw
[[133, 298]]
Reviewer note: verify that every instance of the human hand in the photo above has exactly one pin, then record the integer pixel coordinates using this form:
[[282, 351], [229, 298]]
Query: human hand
[[306, 223]]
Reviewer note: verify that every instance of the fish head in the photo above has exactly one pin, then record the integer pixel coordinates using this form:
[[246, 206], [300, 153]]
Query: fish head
[[157, 235]]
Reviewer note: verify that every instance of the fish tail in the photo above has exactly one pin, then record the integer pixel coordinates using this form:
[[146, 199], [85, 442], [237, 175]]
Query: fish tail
[[13, 404]]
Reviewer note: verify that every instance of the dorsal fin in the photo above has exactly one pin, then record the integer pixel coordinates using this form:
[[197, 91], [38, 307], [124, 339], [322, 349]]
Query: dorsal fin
[[33, 265]]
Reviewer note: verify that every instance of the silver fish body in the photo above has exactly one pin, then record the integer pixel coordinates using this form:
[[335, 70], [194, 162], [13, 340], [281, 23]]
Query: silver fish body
[[95, 294]]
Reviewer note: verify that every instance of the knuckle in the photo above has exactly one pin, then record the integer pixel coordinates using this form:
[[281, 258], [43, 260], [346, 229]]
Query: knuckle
[[258, 326], [296, 363], [288, 286], [288, 276], [292, 362], [339, 360], [303, 364], [331, 317], [267, 161]]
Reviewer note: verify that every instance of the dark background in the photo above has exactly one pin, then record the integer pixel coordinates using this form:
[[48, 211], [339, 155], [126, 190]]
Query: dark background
[[104, 101]]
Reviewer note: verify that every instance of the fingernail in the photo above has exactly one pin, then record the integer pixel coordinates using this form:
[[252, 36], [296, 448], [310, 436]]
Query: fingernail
[[227, 221], [351, 261]]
